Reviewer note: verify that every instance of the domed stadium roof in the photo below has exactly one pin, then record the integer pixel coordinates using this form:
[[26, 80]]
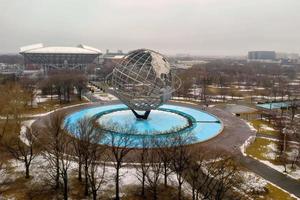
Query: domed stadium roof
[[40, 49], [39, 54]]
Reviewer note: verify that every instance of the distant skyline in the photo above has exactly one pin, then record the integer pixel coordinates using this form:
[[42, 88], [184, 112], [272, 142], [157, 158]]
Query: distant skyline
[[196, 27]]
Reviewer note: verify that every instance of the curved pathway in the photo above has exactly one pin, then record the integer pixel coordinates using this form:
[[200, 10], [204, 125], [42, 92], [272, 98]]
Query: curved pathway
[[235, 133], [290, 185]]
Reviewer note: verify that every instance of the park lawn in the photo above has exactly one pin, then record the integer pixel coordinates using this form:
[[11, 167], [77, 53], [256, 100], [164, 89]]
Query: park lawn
[[10, 128], [50, 105], [259, 149], [213, 90], [132, 192], [259, 124], [275, 193], [15, 189]]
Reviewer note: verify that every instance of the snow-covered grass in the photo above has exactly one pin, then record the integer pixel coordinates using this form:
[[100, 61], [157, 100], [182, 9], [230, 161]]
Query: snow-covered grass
[[41, 99], [183, 101], [266, 151], [104, 96], [25, 124], [219, 87], [246, 90], [47, 113], [252, 183], [245, 145], [267, 128], [271, 153], [264, 127], [39, 172], [251, 127]]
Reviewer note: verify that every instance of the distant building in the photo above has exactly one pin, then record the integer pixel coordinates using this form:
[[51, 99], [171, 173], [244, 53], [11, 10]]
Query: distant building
[[109, 59], [16, 69], [288, 58], [273, 57], [59, 57], [113, 55], [262, 56]]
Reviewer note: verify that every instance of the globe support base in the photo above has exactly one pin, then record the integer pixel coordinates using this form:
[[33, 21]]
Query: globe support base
[[144, 116]]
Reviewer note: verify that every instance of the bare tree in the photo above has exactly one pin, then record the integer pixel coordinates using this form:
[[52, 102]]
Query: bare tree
[[181, 155], [194, 174], [213, 176], [154, 173], [12, 104], [296, 156], [29, 85], [58, 151], [86, 136], [23, 148], [65, 158], [62, 85], [121, 145], [226, 176], [143, 167], [165, 155], [53, 141], [87, 149], [97, 167]]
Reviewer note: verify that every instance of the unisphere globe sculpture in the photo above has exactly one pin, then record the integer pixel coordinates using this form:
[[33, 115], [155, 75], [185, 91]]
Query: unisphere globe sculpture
[[143, 81]]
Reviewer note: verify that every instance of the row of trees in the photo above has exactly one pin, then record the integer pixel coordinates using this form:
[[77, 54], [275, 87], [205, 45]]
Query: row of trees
[[62, 83], [210, 175], [227, 74], [13, 101], [288, 128]]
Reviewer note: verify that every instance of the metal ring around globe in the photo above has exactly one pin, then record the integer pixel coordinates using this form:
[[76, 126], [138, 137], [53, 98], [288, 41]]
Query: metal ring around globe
[[177, 84], [143, 80]]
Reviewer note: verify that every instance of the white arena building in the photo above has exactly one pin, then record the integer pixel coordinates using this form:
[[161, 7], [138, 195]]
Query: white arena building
[[58, 57]]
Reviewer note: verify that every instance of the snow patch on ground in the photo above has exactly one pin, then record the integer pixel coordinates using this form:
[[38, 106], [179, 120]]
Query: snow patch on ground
[[267, 128], [105, 96], [25, 124], [251, 127], [39, 171], [272, 151], [244, 146], [272, 154], [47, 113], [253, 183], [246, 90]]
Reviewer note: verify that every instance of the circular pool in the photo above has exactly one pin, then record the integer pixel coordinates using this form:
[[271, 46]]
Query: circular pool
[[165, 122], [158, 122]]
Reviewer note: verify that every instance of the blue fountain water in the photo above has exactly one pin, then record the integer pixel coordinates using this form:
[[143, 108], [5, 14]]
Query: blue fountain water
[[161, 123], [157, 122]]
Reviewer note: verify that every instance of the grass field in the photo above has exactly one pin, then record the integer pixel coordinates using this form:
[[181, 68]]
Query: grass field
[[260, 149], [275, 193], [50, 105], [264, 127]]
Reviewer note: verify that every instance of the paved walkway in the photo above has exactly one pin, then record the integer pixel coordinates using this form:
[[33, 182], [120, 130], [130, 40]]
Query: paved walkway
[[272, 175]]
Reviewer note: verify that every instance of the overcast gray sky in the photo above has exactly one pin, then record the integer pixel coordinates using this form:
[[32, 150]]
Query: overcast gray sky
[[203, 27]]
